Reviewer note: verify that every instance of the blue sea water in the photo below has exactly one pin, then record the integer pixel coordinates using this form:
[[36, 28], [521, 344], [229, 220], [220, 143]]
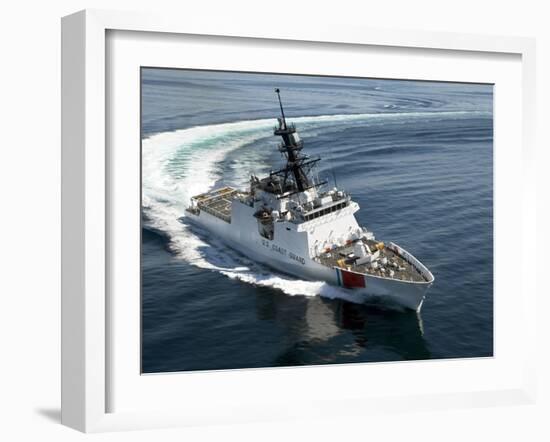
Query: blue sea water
[[418, 158]]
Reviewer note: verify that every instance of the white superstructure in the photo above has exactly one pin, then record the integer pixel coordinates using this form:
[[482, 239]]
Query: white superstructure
[[288, 222]]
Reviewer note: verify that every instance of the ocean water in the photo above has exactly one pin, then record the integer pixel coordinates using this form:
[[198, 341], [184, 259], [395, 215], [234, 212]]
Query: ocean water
[[418, 158]]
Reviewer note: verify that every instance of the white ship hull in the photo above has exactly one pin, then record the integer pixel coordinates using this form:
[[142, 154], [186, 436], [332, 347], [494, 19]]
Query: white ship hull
[[290, 257]]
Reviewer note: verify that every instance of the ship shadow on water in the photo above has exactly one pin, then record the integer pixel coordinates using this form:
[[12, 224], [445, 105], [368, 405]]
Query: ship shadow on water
[[336, 331]]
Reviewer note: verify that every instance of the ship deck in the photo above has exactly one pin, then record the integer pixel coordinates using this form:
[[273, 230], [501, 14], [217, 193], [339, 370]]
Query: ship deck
[[343, 257], [217, 202]]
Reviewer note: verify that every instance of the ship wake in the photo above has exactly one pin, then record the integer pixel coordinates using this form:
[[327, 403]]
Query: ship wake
[[180, 164]]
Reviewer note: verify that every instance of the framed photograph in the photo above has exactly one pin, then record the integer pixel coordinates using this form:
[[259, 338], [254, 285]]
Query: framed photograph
[[264, 223]]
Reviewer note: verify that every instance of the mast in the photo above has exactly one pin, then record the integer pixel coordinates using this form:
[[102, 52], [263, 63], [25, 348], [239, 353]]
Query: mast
[[291, 147], [278, 91]]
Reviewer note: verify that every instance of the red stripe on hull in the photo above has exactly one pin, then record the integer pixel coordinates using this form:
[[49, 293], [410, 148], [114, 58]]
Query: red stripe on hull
[[351, 280]]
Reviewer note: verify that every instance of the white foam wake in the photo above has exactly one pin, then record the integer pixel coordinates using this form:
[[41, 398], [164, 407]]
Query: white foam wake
[[177, 165]]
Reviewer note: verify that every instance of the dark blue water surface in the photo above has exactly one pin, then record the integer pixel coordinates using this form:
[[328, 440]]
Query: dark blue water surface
[[416, 156]]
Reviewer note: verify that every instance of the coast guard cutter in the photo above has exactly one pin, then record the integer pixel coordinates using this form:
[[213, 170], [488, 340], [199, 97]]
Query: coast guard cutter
[[290, 222]]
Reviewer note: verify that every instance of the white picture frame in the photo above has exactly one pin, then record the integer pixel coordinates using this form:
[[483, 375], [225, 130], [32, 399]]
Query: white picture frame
[[86, 315]]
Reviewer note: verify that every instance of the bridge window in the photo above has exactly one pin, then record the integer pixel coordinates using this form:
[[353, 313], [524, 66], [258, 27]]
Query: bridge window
[[326, 211]]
